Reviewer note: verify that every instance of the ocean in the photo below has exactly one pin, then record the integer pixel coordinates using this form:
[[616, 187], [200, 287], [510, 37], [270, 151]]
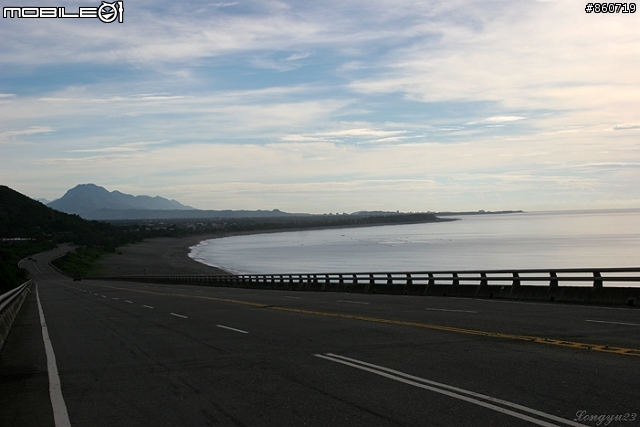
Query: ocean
[[559, 239]]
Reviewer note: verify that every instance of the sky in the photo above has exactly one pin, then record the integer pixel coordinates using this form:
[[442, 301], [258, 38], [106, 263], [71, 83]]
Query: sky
[[327, 106]]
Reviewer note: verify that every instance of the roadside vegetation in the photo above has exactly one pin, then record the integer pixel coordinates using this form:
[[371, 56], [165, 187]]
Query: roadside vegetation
[[82, 261], [10, 254]]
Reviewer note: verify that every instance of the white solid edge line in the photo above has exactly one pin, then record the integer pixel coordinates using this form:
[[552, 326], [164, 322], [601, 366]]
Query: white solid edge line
[[411, 379], [60, 415], [353, 302], [613, 323], [232, 329], [178, 315]]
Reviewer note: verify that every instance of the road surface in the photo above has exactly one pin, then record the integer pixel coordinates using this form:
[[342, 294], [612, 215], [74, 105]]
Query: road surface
[[132, 354]]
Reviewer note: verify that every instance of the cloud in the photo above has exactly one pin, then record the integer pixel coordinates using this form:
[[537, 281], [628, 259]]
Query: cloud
[[627, 126], [516, 55], [128, 147], [418, 104], [497, 119], [297, 56], [33, 130]]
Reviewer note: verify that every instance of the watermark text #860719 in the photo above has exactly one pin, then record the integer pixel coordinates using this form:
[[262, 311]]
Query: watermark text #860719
[[106, 12]]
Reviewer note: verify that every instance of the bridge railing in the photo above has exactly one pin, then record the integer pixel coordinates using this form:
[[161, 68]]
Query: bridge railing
[[596, 277]]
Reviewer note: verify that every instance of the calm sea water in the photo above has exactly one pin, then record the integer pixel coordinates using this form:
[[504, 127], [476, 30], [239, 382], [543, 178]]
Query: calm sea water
[[513, 241]]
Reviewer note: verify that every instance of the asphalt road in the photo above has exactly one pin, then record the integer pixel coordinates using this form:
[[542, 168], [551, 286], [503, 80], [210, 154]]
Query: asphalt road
[[131, 354]]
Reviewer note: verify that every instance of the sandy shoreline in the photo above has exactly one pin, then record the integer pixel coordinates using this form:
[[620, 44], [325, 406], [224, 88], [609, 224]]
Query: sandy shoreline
[[170, 255], [158, 256], [164, 256]]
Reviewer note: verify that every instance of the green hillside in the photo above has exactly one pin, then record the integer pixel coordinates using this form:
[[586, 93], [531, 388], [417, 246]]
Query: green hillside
[[23, 217], [27, 227]]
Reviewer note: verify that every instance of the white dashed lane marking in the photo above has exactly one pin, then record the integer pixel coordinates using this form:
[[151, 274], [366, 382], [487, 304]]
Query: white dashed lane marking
[[455, 311], [232, 329], [613, 323], [179, 315]]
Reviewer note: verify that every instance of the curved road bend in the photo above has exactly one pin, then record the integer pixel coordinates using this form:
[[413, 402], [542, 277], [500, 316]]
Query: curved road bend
[[131, 354]]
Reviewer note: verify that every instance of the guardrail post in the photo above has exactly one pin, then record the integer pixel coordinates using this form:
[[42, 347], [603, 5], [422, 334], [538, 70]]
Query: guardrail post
[[483, 280], [554, 279], [597, 279], [389, 279], [409, 279], [431, 279], [355, 279], [455, 282], [372, 281], [340, 279], [516, 280]]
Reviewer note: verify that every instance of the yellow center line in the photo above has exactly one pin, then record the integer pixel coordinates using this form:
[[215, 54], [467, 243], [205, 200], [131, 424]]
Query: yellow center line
[[562, 343]]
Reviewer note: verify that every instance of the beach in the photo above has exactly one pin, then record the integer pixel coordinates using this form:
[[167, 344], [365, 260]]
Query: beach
[[157, 256], [170, 255], [569, 239]]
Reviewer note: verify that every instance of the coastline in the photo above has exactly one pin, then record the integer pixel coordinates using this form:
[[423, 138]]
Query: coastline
[[170, 255]]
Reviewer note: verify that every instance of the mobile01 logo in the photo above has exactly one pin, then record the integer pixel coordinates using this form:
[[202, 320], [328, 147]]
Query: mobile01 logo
[[106, 12]]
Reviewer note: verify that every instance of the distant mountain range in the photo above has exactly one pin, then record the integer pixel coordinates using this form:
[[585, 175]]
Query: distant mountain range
[[86, 198], [91, 201]]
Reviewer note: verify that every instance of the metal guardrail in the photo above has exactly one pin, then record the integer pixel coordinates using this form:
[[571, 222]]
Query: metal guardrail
[[10, 304], [7, 298], [550, 277]]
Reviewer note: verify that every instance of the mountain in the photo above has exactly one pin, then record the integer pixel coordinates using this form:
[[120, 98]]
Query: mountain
[[23, 217], [93, 202], [84, 199]]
